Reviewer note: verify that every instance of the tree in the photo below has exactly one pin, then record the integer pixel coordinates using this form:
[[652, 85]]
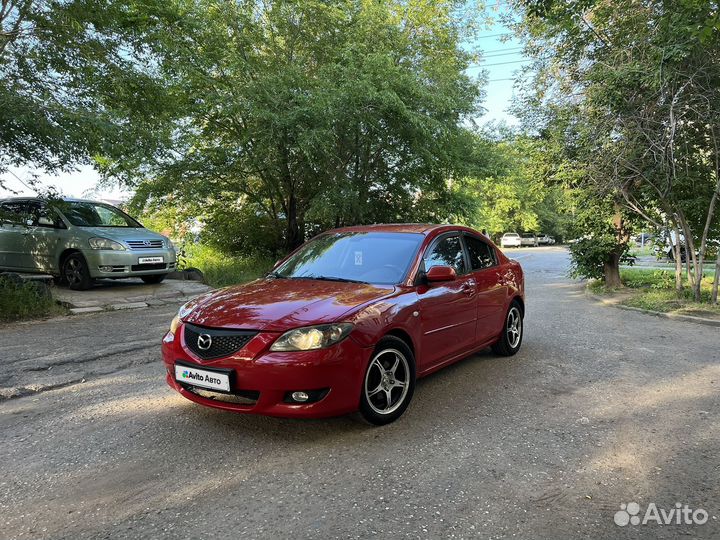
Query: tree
[[641, 80], [62, 67], [308, 114]]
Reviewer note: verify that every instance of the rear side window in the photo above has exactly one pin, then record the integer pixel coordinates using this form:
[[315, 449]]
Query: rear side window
[[13, 212], [481, 254], [447, 252]]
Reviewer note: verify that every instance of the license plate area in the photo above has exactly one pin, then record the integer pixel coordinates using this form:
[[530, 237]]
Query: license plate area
[[151, 260], [211, 379]]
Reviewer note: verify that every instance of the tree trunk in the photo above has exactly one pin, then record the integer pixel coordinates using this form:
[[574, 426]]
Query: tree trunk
[[294, 235], [611, 267], [714, 297], [677, 255], [611, 271]]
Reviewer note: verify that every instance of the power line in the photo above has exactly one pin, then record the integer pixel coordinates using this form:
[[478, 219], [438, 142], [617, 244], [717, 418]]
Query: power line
[[20, 180], [495, 35], [500, 54], [501, 50], [472, 66]]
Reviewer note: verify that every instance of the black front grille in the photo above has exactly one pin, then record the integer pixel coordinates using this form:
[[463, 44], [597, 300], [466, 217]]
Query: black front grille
[[239, 397], [222, 342], [155, 266]]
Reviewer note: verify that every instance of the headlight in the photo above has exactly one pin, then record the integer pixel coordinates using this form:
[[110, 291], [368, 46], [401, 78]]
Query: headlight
[[106, 243], [174, 324], [169, 244], [312, 337]]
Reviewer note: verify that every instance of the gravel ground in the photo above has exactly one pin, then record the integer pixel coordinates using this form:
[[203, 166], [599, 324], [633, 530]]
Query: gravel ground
[[600, 407]]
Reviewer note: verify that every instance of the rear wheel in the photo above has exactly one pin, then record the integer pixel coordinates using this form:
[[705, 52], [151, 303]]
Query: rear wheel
[[75, 272], [512, 334], [157, 278], [389, 382]]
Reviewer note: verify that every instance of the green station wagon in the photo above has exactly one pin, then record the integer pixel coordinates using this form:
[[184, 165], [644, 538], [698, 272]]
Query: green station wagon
[[79, 241]]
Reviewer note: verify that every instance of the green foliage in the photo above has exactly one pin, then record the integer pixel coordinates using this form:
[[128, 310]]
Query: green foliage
[[513, 188], [632, 90], [68, 70], [303, 115], [590, 255], [25, 300], [221, 269]]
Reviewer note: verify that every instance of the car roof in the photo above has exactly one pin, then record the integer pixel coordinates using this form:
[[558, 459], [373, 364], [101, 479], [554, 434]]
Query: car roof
[[66, 199], [417, 228]]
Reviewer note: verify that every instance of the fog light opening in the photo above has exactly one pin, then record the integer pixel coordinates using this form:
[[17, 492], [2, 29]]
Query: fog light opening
[[106, 268], [300, 397], [305, 397]]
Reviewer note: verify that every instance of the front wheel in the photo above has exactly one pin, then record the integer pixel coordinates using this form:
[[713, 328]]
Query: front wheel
[[389, 382], [75, 272], [156, 278], [512, 334]]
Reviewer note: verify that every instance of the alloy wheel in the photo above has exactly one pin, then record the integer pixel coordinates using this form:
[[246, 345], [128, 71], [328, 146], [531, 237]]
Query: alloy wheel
[[73, 271], [514, 327], [387, 381]]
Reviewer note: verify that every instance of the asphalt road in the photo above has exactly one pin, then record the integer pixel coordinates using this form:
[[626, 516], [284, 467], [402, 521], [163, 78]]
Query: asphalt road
[[600, 407]]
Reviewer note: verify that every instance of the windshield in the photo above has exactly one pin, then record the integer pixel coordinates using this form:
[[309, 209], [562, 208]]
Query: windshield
[[367, 257], [90, 214]]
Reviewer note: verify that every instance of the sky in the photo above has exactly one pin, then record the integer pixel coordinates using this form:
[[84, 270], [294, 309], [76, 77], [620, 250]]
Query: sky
[[502, 58]]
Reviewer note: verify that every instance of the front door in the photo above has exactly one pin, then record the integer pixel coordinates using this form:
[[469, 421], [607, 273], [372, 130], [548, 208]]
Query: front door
[[448, 310]]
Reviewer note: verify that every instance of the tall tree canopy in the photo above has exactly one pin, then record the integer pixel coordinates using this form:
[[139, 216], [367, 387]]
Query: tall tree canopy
[[287, 116], [633, 89], [68, 71]]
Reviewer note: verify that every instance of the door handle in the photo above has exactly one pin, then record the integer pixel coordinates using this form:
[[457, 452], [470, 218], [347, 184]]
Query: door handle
[[468, 289]]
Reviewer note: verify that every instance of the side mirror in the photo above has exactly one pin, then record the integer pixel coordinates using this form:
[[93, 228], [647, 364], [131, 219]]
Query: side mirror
[[440, 273]]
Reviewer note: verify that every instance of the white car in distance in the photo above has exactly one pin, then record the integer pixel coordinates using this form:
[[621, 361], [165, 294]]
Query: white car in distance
[[510, 239]]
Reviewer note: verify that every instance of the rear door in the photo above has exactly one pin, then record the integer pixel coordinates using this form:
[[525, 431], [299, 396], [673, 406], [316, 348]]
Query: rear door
[[448, 310], [12, 236], [491, 294], [43, 238]]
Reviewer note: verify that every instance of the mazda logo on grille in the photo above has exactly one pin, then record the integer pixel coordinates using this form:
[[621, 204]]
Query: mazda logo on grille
[[204, 342]]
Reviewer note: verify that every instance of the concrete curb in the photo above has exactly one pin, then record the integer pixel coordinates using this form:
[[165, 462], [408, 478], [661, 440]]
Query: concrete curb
[[671, 316]]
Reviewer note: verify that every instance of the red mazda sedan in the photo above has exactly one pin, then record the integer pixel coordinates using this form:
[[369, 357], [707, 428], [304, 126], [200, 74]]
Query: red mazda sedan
[[348, 322]]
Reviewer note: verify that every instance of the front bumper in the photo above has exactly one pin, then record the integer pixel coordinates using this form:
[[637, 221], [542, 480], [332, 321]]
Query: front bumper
[[268, 377], [122, 264]]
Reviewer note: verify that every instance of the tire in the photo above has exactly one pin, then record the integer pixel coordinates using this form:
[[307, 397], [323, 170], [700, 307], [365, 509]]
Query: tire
[[390, 372], [156, 278], [510, 341], [76, 273]]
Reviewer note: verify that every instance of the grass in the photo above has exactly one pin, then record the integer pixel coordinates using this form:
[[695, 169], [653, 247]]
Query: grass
[[221, 269], [26, 300], [654, 290]]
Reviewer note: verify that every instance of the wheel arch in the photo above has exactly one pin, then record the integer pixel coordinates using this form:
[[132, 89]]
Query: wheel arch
[[519, 300], [65, 254], [405, 337]]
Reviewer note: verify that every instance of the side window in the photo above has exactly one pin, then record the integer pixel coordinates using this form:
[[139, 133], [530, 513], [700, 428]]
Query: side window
[[13, 213], [42, 216], [481, 254], [447, 252]]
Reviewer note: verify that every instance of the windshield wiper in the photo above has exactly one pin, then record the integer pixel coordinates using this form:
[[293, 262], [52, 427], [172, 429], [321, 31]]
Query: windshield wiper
[[331, 278], [275, 275]]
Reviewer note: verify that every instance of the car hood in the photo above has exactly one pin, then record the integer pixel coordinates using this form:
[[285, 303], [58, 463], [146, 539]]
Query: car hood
[[122, 233], [280, 304]]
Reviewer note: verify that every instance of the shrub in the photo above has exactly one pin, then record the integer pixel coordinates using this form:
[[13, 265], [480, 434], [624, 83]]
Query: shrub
[[25, 300]]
